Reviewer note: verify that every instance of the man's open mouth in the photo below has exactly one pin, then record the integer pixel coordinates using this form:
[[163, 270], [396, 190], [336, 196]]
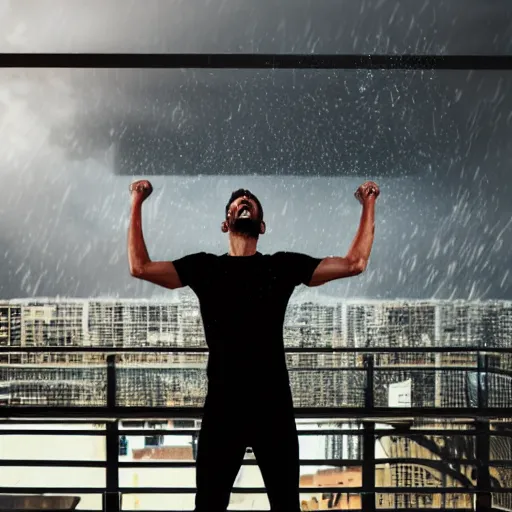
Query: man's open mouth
[[244, 212]]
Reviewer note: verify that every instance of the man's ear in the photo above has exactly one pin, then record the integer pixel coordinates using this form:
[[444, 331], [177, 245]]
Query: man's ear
[[263, 228], [224, 227]]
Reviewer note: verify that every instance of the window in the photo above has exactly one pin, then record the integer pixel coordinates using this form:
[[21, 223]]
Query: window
[[123, 445], [153, 441], [133, 424], [184, 423]]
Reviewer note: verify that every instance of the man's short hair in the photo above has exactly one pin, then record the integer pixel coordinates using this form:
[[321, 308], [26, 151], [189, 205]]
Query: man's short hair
[[244, 192]]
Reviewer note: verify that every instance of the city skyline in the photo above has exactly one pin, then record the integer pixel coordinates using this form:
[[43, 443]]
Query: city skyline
[[318, 379]]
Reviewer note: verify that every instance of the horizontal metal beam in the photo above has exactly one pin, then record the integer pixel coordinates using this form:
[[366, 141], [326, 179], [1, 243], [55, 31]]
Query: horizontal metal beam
[[245, 462], [409, 509], [380, 432], [401, 425], [52, 420], [312, 462], [289, 350], [254, 490], [176, 463], [254, 61], [248, 462], [44, 432], [257, 510], [449, 432], [53, 463], [353, 509], [52, 490], [155, 413], [326, 489]]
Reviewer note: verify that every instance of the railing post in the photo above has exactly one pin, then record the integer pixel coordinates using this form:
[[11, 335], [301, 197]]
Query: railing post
[[194, 445], [482, 381], [111, 498], [368, 496], [483, 479]]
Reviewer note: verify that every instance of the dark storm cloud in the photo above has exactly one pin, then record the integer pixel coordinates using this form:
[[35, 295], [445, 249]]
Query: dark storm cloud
[[438, 141], [234, 122]]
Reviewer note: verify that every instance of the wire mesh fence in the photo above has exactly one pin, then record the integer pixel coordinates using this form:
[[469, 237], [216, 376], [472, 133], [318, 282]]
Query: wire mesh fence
[[41, 362]]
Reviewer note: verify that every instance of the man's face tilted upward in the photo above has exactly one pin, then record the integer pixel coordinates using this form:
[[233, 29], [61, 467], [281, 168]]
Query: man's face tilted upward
[[244, 215]]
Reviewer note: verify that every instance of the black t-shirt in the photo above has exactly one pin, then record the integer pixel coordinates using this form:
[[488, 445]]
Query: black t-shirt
[[243, 300]]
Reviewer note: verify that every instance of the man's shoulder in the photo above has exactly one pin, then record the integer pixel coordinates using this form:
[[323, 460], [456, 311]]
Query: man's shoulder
[[281, 258], [293, 258]]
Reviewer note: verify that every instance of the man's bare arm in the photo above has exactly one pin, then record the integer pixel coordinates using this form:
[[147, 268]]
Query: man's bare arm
[[161, 273], [357, 257]]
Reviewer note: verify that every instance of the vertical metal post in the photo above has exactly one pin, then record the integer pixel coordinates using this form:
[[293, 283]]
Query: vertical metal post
[[368, 390], [194, 445], [482, 381], [111, 498], [483, 479], [368, 497]]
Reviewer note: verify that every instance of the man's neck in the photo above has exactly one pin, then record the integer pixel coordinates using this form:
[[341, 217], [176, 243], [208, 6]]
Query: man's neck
[[240, 245]]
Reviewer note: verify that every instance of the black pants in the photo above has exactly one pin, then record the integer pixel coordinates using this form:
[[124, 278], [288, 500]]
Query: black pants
[[227, 430]]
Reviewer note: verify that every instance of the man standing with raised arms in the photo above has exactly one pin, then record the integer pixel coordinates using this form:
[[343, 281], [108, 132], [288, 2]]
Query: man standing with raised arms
[[243, 296]]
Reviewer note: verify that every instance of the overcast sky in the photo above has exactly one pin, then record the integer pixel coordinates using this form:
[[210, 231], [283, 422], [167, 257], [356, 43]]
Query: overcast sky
[[438, 143]]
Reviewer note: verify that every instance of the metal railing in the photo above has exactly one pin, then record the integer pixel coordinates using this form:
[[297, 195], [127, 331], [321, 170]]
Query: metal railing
[[481, 420]]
